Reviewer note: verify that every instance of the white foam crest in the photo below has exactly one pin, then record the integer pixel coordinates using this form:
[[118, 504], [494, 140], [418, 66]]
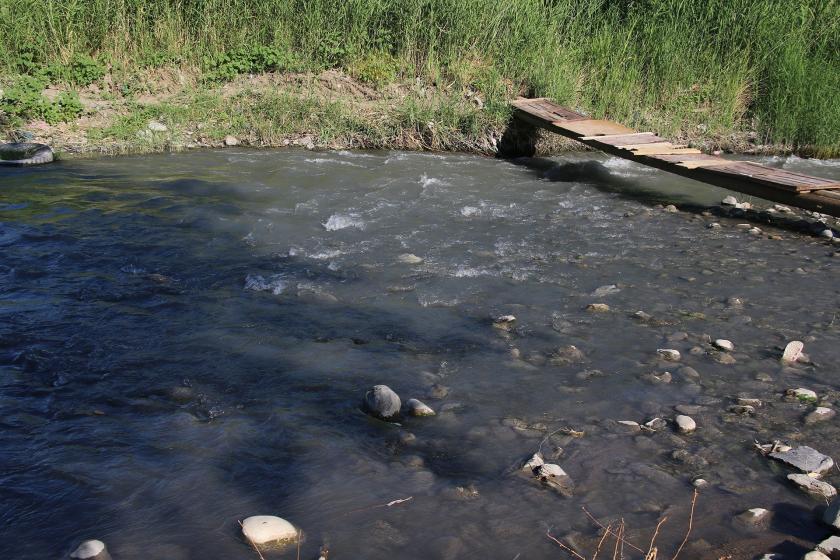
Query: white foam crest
[[319, 160], [343, 221], [131, 269], [464, 271], [324, 255], [274, 284]]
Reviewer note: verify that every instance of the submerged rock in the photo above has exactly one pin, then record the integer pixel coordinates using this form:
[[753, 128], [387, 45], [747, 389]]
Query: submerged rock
[[812, 486], [805, 459], [832, 513], [820, 414], [755, 519], [504, 322], [418, 408], [382, 402], [598, 307], [409, 258], [802, 394], [555, 478], [262, 529], [91, 550]]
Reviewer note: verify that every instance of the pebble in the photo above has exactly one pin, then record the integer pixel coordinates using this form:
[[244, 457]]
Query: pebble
[[805, 459], [411, 258], [819, 414], [713, 225], [793, 351], [700, 483], [688, 409], [724, 358], [742, 409], [261, 529], [685, 424], [746, 401], [231, 140], [729, 201], [534, 462], [802, 394], [555, 477], [656, 424], [91, 550], [598, 307], [815, 555], [812, 486], [671, 208], [382, 402], [827, 233], [156, 126], [669, 354], [724, 344], [418, 408]]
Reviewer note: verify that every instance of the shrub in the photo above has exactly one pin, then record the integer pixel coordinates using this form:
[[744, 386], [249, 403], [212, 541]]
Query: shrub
[[24, 101], [376, 68]]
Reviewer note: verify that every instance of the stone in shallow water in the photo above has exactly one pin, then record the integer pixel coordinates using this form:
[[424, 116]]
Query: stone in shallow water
[[819, 414], [830, 546], [555, 477], [598, 307], [261, 529], [685, 424], [805, 459], [409, 258], [805, 395], [793, 351], [812, 486], [419, 408], [669, 354], [724, 344], [814, 555], [755, 518], [382, 402], [91, 550], [504, 322]]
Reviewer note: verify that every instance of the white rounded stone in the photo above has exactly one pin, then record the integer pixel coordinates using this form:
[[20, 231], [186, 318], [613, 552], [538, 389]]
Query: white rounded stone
[[685, 424], [409, 258], [231, 140], [419, 408], [793, 351], [261, 529], [669, 354], [724, 344], [89, 549]]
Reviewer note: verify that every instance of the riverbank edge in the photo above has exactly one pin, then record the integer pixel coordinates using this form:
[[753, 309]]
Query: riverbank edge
[[172, 111]]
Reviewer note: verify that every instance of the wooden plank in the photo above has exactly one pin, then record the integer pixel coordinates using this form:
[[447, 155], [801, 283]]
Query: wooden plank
[[615, 139], [593, 127], [694, 164], [779, 178], [665, 151]]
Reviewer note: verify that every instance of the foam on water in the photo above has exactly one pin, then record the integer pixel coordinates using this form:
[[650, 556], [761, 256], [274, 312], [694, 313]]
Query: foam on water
[[275, 284], [343, 221]]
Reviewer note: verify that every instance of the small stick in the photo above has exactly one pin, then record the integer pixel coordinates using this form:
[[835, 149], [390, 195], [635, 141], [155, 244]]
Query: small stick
[[690, 523], [618, 540], [598, 548], [655, 533], [298, 544], [389, 504], [563, 546], [257, 550], [601, 525]]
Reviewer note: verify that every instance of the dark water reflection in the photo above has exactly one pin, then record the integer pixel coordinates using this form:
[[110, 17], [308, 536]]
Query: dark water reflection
[[184, 341]]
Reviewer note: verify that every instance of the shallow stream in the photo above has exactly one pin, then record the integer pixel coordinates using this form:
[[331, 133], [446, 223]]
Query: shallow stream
[[185, 341]]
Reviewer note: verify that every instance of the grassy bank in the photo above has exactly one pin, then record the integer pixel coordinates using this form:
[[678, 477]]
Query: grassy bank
[[697, 69]]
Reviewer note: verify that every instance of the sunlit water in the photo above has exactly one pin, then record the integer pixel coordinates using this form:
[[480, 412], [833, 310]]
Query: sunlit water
[[185, 341]]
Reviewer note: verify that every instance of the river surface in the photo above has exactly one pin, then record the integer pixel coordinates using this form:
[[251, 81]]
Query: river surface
[[185, 341]]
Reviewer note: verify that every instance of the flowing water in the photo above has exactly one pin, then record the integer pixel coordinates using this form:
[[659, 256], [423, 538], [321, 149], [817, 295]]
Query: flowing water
[[185, 341]]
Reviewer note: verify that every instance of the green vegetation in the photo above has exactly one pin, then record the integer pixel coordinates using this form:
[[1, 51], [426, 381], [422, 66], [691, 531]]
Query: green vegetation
[[687, 67]]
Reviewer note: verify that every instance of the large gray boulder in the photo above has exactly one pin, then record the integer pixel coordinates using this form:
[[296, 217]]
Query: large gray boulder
[[381, 402], [806, 459], [25, 153]]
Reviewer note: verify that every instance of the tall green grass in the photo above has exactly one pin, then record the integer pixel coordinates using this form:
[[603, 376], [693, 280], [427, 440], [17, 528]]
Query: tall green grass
[[674, 65]]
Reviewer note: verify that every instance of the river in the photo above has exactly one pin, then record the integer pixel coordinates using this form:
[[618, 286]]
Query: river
[[185, 341]]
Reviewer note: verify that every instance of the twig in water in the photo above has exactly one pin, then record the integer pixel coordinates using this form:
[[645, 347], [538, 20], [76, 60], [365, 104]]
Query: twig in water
[[651, 553], [257, 550], [389, 504], [563, 546], [601, 542], [298, 544], [690, 523], [601, 525], [618, 540]]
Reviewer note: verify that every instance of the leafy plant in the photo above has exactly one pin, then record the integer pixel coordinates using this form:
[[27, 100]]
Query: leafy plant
[[376, 68], [24, 100], [248, 60]]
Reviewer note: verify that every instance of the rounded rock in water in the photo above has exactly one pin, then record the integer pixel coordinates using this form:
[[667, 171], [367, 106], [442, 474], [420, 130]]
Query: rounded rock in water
[[669, 354], [793, 351], [381, 401], [724, 344], [685, 424], [91, 550], [262, 529], [419, 408]]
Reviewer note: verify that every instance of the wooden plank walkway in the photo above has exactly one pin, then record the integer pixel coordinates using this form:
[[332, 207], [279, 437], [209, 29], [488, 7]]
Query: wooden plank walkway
[[779, 185]]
